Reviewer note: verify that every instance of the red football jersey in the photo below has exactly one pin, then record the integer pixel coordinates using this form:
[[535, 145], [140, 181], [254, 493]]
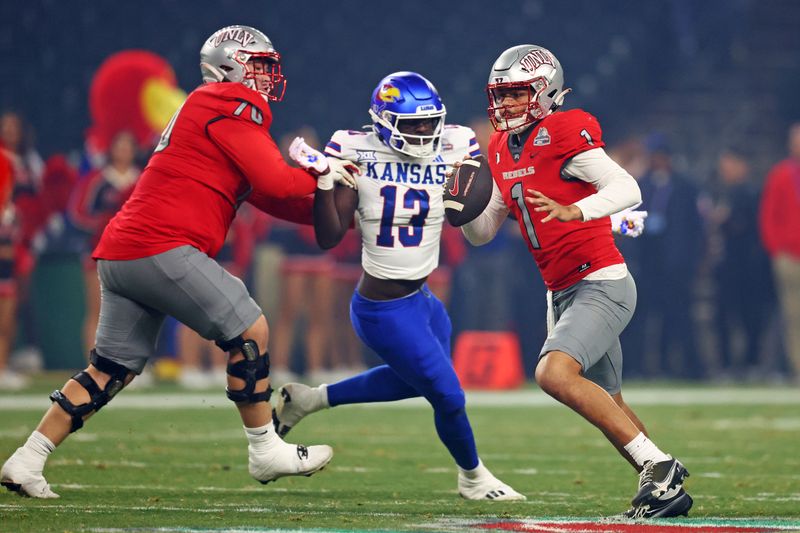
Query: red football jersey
[[564, 251], [213, 154]]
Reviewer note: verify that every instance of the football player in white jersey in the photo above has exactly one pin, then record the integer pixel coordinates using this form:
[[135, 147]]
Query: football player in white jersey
[[398, 198]]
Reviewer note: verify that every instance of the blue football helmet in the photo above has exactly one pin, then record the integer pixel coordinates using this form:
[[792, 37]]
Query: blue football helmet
[[407, 96]]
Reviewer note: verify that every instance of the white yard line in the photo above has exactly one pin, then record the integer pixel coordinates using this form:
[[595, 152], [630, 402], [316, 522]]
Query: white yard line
[[525, 398]]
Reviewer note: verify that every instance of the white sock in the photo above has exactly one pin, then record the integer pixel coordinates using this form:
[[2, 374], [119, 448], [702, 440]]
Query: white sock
[[261, 439], [40, 447], [642, 449], [322, 396], [477, 472], [40, 444]]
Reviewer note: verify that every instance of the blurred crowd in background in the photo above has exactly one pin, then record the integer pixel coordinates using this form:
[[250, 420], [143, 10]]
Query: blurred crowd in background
[[698, 101]]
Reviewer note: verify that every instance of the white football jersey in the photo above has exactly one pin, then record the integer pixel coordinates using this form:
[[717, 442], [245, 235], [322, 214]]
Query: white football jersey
[[400, 206]]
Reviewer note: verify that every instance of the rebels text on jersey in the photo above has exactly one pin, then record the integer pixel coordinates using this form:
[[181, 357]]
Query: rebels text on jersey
[[215, 153], [564, 251], [400, 206]]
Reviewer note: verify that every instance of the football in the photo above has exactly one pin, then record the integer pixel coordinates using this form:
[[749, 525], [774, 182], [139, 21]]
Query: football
[[467, 191]]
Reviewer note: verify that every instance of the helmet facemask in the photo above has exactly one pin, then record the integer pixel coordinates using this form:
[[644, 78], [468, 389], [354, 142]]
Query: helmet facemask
[[397, 130], [537, 107], [262, 73]]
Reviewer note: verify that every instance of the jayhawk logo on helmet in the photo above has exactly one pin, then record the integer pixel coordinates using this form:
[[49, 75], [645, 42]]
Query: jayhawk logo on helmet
[[389, 93]]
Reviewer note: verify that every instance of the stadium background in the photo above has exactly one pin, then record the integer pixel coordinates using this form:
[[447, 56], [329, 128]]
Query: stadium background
[[689, 77]]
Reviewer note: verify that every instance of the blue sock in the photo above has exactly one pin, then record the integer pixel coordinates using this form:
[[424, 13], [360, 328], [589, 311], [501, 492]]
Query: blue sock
[[456, 433]]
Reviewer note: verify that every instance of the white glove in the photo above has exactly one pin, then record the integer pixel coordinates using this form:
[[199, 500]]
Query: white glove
[[329, 170], [307, 157], [628, 222], [341, 171]]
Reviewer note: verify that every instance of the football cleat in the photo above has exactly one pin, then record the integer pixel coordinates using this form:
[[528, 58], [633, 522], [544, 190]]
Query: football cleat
[[661, 493], [23, 475], [485, 487], [295, 402], [289, 460]]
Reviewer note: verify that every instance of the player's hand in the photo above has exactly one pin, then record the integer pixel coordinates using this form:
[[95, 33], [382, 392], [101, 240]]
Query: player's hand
[[449, 172], [628, 222], [343, 171], [328, 170], [308, 158], [554, 210]]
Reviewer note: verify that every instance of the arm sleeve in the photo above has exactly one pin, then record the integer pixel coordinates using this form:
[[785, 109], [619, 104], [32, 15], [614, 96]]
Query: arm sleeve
[[297, 210], [485, 226], [256, 156], [616, 189]]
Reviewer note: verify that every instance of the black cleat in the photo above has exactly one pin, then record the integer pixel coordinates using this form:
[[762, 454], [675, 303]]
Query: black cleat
[[661, 493], [678, 505]]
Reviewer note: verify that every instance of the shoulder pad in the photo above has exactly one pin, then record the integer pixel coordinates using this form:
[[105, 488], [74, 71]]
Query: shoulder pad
[[460, 139], [345, 144], [236, 101], [574, 131]]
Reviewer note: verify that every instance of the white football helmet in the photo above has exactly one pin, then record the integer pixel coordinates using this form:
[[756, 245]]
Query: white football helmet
[[530, 67], [225, 55]]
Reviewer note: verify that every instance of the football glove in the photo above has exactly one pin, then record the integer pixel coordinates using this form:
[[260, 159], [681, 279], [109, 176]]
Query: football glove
[[628, 222], [328, 170]]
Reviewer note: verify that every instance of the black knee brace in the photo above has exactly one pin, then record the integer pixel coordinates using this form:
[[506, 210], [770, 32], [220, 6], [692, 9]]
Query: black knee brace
[[251, 369], [97, 398]]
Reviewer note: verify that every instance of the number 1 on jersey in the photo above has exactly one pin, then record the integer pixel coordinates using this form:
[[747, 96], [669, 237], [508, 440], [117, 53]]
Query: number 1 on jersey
[[518, 195]]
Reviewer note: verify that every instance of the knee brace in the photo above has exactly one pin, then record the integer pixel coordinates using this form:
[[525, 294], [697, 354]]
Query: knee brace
[[252, 368], [97, 397]]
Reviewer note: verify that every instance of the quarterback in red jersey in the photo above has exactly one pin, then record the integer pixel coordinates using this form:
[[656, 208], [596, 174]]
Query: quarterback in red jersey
[[551, 173], [155, 258]]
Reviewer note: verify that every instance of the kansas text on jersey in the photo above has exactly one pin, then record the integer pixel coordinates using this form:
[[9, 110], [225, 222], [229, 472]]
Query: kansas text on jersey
[[400, 206]]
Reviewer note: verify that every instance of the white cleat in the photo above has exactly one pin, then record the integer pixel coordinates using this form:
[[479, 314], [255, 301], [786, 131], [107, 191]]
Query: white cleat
[[295, 402], [22, 475], [484, 486], [289, 460]]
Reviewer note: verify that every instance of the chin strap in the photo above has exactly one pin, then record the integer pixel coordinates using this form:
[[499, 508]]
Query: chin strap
[[558, 101]]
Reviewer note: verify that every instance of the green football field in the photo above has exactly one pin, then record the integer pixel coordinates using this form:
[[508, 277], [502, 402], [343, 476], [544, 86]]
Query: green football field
[[173, 461]]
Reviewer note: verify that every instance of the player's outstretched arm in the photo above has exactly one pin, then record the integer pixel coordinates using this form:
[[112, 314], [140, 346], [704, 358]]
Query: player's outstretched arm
[[334, 209], [258, 158], [326, 169], [297, 210]]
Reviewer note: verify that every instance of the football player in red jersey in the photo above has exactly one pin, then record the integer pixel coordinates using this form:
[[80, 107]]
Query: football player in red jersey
[[155, 258], [551, 173]]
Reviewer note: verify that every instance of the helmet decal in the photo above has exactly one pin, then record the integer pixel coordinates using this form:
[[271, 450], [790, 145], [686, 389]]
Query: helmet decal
[[389, 93], [535, 59], [238, 34]]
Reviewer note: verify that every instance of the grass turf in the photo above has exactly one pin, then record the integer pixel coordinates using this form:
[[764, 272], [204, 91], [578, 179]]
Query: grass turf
[[187, 468]]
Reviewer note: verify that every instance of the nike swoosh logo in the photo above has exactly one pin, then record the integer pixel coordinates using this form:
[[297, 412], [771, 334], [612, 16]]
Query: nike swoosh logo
[[454, 187]]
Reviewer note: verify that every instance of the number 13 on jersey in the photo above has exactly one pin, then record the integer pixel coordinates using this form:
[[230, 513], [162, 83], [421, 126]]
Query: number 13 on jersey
[[411, 234]]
